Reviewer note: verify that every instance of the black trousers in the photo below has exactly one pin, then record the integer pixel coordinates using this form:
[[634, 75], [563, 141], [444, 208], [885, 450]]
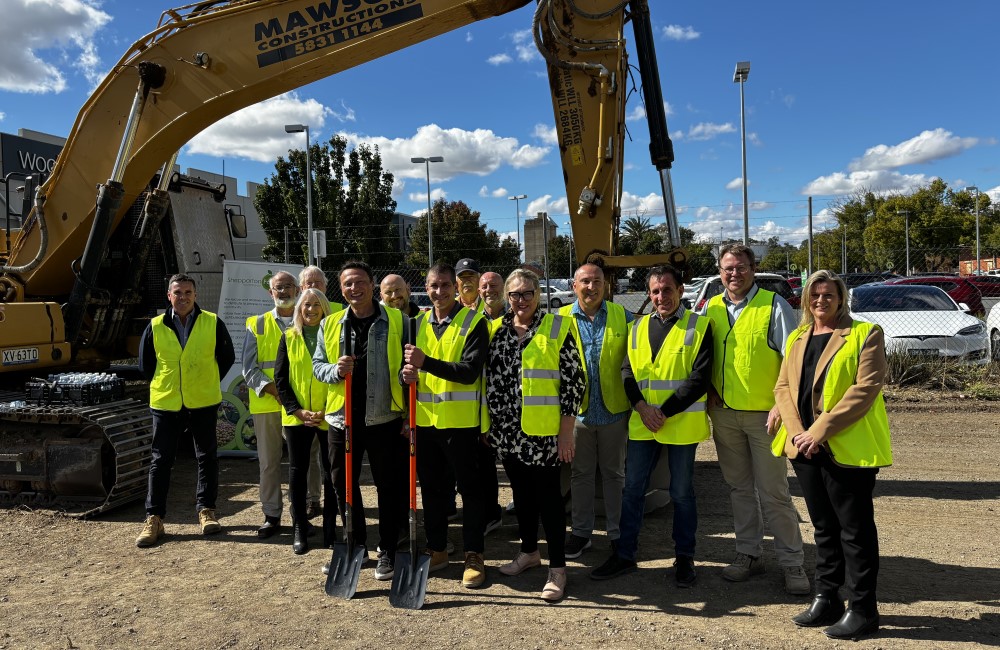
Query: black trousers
[[441, 450], [299, 439], [167, 429], [538, 495], [489, 483], [839, 500], [388, 453]]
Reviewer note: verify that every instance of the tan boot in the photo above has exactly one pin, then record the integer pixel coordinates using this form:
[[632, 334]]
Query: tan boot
[[439, 560], [209, 524], [475, 570], [151, 533]]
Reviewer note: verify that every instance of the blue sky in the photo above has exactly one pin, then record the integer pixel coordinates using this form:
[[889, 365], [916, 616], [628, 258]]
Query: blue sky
[[857, 95]]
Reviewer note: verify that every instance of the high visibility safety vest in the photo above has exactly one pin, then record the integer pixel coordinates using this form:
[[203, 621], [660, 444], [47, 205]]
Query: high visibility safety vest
[[267, 331], [865, 443], [332, 335], [745, 366], [540, 376], [440, 403], [310, 392], [185, 377], [660, 378], [610, 364]]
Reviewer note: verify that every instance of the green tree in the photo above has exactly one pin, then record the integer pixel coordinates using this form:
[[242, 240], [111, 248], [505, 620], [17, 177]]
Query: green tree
[[352, 202], [459, 232], [562, 257]]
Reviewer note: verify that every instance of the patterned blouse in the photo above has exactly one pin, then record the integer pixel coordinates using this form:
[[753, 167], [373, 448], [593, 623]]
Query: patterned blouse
[[503, 393]]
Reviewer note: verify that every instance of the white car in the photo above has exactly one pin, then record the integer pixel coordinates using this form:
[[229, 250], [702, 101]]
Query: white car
[[557, 298], [993, 331], [922, 322]]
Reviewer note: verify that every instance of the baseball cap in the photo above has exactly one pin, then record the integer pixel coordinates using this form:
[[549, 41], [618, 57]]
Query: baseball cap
[[466, 264]]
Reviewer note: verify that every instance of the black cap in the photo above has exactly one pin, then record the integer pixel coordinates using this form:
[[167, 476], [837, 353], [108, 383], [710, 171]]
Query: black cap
[[466, 264]]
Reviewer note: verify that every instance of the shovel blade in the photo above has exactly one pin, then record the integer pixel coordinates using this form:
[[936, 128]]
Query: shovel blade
[[345, 569], [409, 581]]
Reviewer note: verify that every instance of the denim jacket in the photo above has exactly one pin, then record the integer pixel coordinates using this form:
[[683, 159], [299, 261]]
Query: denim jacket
[[378, 408]]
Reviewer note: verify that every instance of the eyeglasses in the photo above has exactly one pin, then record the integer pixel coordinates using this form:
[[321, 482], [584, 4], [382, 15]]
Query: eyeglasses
[[734, 270], [283, 287], [518, 296]]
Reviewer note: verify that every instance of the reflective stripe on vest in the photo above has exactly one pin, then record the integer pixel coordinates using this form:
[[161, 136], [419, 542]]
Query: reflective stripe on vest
[[333, 328], [267, 331], [187, 377], [540, 376], [310, 392], [866, 443], [745, 366], [610, 362], [659, 378], [440, 403]]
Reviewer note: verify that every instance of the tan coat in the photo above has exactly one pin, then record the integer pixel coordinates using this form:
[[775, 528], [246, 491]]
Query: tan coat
[[856, 401]]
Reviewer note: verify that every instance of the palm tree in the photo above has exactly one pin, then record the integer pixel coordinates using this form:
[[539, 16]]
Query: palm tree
[[633, 230]]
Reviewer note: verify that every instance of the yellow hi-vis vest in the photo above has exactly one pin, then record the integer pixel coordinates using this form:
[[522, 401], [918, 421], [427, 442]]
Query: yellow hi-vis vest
[[185, 377], [659, 378], [266, 330], [440, 403], [745, 366], [309, 391], [866, 442], [332, 329], [540, 376], [610, 364]]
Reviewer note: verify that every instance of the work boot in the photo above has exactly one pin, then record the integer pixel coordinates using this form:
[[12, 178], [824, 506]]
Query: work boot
[[742, 567], [209, 524], [151, 533], [475, 570], [439, 560]]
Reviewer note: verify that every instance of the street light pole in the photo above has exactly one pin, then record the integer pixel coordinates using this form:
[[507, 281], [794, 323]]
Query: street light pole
[[517, 212], [300, 128], [973, 188], [906, 234], [430, 224], [569, 245], [740, 77]]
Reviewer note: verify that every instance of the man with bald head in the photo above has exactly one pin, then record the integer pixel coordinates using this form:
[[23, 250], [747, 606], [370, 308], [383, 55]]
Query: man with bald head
[[396, 293], [491, 295], [601, 429]]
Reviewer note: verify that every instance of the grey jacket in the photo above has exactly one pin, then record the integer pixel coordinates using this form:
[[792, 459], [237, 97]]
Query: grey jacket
[[379, 408]]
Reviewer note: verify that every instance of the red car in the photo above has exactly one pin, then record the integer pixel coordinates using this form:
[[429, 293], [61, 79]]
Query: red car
[[988, 285], [960, 289]]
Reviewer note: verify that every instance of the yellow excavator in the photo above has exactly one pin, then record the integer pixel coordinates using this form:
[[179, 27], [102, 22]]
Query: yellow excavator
[[81, 276]]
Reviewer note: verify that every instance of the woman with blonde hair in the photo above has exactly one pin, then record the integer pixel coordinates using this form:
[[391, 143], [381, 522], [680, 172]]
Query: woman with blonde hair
[[303, 398], [835, 431]]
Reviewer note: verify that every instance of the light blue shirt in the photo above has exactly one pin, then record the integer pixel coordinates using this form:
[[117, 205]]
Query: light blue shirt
[[592, 338], [782, 317]]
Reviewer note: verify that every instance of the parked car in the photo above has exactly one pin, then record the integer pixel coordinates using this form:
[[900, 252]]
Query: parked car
[[422, 300], [857, 279], [961, 290], [988, 285], [691, 289], [557, 298], [993, 331], [770, 281], [921, 321]]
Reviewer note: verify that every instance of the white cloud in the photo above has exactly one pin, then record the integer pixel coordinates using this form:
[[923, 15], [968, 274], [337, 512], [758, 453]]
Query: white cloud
[[547, 134], [346, 116], [557, 208], [480, 152], [524, 45], [637, 113], [258, 132], [398, 187], [735, 184], [37, 39], [875, 180], [994, 194], [498, 193], [668, 108], [926, 147], [3, 116], [754, 139], [680, 33], [760, 205], [499, 59], [468, 37], [709, 130], [484, 191], [651, 204], [421, 197]]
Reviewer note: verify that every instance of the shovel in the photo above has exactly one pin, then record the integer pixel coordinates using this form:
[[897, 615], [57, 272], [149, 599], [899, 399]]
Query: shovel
[[409, 580], [345, 566]]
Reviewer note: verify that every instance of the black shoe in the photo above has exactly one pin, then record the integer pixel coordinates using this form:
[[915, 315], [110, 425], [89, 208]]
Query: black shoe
[[272, 526], [824, 610], [852, 625], [685, 574], [300, 541], [384, 570], [612, 568], [313, 510], [575, 546]]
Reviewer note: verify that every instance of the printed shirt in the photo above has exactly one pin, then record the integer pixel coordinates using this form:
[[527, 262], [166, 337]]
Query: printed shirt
[[592, 337]]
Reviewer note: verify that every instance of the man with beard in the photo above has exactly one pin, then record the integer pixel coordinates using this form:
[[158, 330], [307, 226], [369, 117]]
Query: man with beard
[[260, 349], [467, 271], [396, 293]]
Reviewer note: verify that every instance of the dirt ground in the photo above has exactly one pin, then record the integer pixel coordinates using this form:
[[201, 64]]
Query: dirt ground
[[83, 584]]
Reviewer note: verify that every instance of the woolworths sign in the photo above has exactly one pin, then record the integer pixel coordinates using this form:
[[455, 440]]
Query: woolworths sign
[[25, 156]]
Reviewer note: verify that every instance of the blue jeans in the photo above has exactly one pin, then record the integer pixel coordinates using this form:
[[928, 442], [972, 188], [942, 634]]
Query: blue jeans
[[640, 459]]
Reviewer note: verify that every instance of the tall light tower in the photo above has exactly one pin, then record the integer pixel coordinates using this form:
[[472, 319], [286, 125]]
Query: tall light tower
[[430, 231], [973, 188], [740, 77], [517, 212], [300, 128]]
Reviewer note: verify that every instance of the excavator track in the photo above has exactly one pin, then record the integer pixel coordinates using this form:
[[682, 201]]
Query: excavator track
[[78, 460]]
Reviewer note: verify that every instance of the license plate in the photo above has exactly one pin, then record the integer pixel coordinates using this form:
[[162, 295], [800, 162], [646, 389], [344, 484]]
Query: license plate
[[19, 356], [925, 353]]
